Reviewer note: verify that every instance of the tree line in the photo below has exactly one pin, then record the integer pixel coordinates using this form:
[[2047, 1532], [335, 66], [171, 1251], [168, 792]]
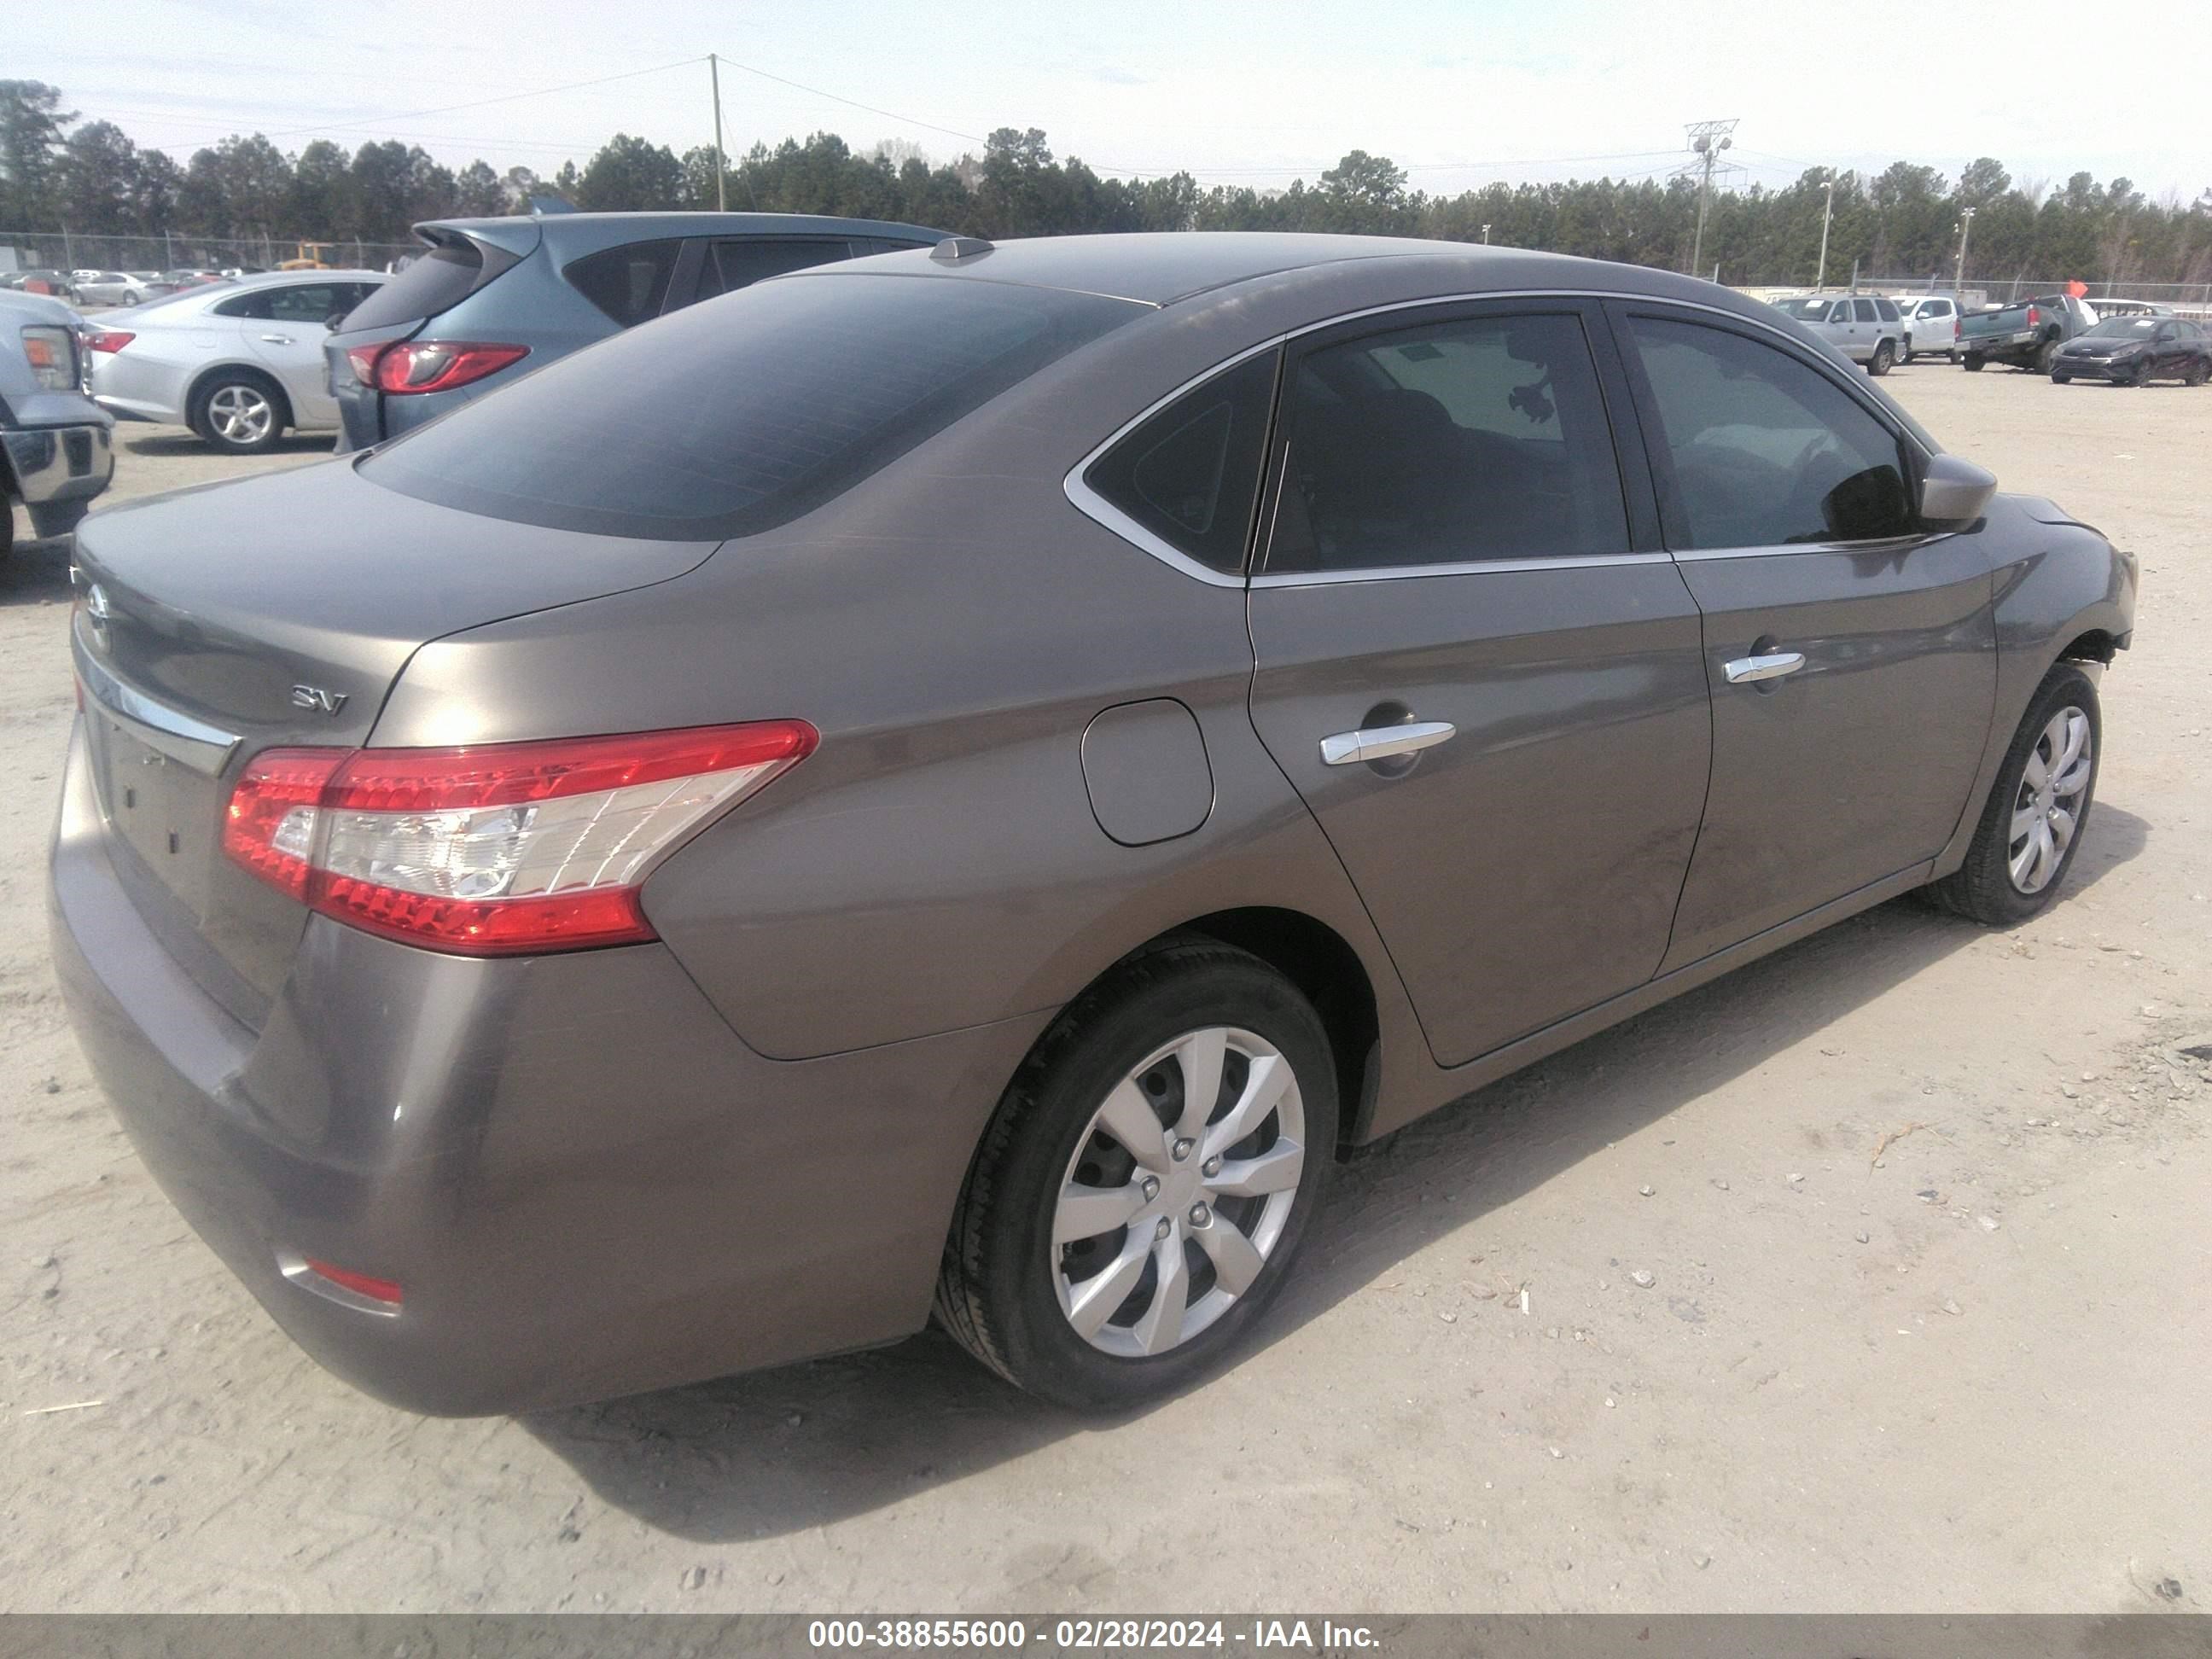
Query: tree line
[[57, 170]]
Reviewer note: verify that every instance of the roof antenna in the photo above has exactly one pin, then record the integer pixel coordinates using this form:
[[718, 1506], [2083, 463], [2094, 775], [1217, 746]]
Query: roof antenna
[[953, 249]]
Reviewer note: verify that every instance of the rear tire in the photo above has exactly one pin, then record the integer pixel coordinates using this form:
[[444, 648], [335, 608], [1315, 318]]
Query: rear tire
[[1885, 356], [1989, 887], [2046, 356], [240, 412], [1055, 1201], [1974, 361]]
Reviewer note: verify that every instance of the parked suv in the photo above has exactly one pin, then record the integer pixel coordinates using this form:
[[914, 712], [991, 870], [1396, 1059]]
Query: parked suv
[[496, 298], [56, 452], [1931, 325], [1865, 327]]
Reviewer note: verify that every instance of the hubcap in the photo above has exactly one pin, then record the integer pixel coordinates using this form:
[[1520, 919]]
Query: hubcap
[[2047, 807], [239, 414], [1177, 1192]]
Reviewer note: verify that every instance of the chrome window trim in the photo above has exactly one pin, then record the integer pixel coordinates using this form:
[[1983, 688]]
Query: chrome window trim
[[170, 731], [1465, 568], [1102, 511]]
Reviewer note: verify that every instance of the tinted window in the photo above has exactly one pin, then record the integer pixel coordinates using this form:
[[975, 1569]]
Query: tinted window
[[439, 279], [1886, 311], [1806, 310], [1936, 308], [255, 304], [630, 284], [730, 416], [1762, 450], [1865, 308], [308, 302], [1189, 475], [1482, 438], [736, 264]]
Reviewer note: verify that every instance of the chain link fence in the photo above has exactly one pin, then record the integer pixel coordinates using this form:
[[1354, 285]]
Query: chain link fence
[[62, 249]]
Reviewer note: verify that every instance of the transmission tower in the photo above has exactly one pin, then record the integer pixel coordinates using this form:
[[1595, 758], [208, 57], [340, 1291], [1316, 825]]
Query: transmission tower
[[1707, 140]]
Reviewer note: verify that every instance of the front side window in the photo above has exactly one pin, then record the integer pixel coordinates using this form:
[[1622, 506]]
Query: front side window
[[1189, 474], [1757, 449], [1452, 442]]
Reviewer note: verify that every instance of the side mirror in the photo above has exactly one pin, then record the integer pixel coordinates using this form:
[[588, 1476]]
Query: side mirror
[[1954, 493]]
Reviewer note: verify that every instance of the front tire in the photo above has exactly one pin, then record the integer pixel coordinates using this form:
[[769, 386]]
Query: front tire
[[1146, 1181], [2143, 374], [2058, 377], [2030, 828], [240, 414], [2046, 355]]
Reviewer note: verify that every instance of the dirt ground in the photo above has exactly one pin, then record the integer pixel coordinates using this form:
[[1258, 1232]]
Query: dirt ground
[[1924, 1210]]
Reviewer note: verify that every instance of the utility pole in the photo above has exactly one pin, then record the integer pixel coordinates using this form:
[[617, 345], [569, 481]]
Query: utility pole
[[1486, 236], [1707, 140], [1959, 275], [721, 167], [1828, 211]]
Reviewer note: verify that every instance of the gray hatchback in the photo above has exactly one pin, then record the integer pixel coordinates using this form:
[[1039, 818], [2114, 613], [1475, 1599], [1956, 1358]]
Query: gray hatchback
[[492, 298], [960, 781]]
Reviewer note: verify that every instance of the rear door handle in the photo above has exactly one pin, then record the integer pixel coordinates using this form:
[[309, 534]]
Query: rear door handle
[[1383, 742], [1773, 666]]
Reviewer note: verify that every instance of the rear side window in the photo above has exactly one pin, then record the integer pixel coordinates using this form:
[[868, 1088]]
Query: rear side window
[[742, 262], [1865, 310], [630, 284], [436, 281], [1451, 443], [732, 417], [1189, 474], [1886, 310], [1759, 449]]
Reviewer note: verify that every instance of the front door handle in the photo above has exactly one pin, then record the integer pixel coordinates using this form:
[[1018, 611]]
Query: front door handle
[[277, 340], [1770, 665], [1383, 742]]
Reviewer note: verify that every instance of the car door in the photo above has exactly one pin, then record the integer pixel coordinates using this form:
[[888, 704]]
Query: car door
[[1475, 663], [2172, 356], [294, 320], [1852, 659]]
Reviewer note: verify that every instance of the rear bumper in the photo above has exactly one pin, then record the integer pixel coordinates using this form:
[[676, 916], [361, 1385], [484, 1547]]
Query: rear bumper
[[585, 1183], [58, 470]]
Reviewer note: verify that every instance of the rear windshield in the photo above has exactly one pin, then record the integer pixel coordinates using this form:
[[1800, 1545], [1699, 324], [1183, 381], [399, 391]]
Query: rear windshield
[[434, 281], [744, 411]]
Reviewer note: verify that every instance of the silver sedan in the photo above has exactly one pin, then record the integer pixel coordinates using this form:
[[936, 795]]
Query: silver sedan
[[239, 363]]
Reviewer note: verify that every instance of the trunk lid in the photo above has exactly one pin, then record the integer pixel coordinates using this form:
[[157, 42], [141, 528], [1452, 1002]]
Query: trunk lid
[[277, 611]]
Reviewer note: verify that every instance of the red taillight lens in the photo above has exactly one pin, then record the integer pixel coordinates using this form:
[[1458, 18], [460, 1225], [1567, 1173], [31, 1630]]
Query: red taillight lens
[[376, 1290], [499, 849], [2034, 318], [108, 339], [1958, 329], [403, 367]]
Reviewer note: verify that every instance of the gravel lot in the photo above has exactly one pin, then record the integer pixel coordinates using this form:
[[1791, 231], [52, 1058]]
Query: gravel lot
[[1973, 1373]]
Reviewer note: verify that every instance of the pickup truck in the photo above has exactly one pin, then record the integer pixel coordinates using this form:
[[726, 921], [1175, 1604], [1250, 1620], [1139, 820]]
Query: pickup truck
[[2027, 335], [56, 448]]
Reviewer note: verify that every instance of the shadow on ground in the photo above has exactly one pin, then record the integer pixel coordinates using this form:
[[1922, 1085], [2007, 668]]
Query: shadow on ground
[[35, 573], [780, 1451]]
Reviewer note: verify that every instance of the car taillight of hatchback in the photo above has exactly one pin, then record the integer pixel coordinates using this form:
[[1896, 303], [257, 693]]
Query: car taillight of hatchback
[[404, 367], [502, 849]]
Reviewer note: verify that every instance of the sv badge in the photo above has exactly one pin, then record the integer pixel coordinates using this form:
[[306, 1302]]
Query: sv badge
[[313, 697]]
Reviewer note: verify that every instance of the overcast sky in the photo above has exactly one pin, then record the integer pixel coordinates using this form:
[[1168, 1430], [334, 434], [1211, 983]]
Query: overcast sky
[[1232, 91]]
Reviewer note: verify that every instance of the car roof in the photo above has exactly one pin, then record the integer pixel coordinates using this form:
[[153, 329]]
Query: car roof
[[575, 233], [1167, 268]]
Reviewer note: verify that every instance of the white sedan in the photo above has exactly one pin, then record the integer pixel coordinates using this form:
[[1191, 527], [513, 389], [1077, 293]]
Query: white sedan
[[240, 364]]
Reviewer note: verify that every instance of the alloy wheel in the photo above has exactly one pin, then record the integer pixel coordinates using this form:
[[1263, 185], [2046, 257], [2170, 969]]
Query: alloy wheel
[[240, 414], [1177, 1192], [2047, 805]]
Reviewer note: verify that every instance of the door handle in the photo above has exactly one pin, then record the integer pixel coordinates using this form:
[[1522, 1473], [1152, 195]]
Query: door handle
[[277, 340], [1773, 666], [1383, 742]]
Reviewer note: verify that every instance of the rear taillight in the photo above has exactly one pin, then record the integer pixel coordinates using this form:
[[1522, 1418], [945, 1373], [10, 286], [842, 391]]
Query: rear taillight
[[2034, 318], [52, 359], [497, 850], [108, 339], [1958, 329], [410, 365]]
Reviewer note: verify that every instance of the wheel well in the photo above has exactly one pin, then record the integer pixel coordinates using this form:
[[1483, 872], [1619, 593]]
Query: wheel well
[[2096, 646], [196, 397], [1329, 973]]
